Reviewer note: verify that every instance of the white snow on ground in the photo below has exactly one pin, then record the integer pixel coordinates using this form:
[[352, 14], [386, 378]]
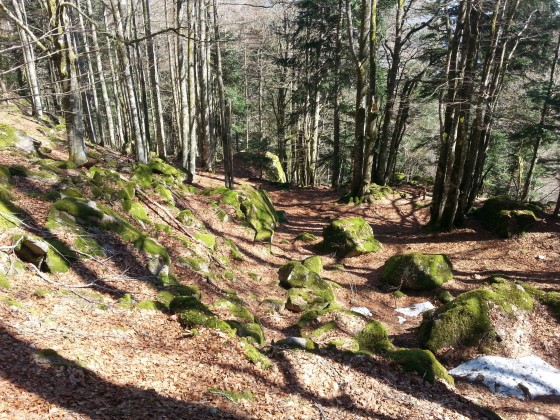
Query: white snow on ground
[[527, 377], [415, 309], [362, 310]]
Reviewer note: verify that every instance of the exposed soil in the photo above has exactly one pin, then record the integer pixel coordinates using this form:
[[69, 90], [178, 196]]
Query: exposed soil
[[114, 361]]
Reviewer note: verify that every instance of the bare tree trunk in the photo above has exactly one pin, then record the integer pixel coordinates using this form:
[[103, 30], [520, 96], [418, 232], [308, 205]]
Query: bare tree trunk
[[141, 151], [64, 55], [154, 79], [542, 122], [29, 59], [102, 82]]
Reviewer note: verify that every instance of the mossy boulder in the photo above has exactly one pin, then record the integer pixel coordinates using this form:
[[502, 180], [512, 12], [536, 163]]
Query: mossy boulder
[[314, 264], [297, 343], [8, 136], [374, 338], [9, 216], [5, 176], [252, 331], [421, 361], [91, 214], [468, 320], [193, 313], [306, 237], [349, 237], [550, 299], [417, 271], [296, 274], [318, 295], [139, 213], [158, 166], [207, 239], [48, 255], [507, 217], [259, 213], [263, 166]]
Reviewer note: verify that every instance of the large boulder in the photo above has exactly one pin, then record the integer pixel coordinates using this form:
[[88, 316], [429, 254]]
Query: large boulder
[[489, 319], [50, 255], [349, 237], [421, 361], [506, 217], [265, 166], [416, 271], [316, 295], [295, 274]]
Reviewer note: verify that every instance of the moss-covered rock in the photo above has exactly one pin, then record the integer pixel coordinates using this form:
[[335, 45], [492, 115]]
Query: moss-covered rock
[[259, 213], [417, 271], [151, 305], [550, 299], [374, 338], [5, 176], [235, 253], [8, 136], [158, 166], [421, 361], [349, 237], [318, 295], [254, 355], [9, 213], [142, 175], [252, 331], [264, 166], [297, 343], [49, 255], [166, 194], [4, 282], [466, 321], [92, 214], [139, 213], [314, 264], [295, 274], [506, 217], [193, 313], [306, 237], [207, 239]]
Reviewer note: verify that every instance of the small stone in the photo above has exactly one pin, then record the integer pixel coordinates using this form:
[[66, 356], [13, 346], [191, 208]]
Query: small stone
[[362, 310]]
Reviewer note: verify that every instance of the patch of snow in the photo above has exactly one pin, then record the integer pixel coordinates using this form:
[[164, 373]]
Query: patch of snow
[[416, 309], [362, 310], [401, 319], [527, 377]]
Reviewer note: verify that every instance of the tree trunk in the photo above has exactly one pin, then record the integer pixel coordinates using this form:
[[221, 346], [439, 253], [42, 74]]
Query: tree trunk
[[29, 60], [140, 146]]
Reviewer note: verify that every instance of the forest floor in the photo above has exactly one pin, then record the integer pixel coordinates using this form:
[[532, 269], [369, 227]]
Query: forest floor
[[113, 360]]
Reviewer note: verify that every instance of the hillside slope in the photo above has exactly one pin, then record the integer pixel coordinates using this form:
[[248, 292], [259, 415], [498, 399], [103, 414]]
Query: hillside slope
[[100, 339]]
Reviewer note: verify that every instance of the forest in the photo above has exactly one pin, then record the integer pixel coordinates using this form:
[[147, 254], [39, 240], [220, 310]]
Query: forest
[[280, 209]]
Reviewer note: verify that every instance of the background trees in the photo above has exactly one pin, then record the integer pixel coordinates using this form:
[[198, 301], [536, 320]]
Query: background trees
[[344, 91]]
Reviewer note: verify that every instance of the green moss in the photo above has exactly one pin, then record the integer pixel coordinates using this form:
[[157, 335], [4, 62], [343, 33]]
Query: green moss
[[188, 218], [9, 213], [465, 321], [196, 263], [550, 299], [374, 338], [166, 194], [234, 250], [8, 136], [422, 361], [322, 330], [126, 302], [398, 294], [150, 305], [5, 176], [236, 309], [417, 271], [314, 264], [303, 299], [349, 237], [259, 213], [143, 175], [207, 239], [4, 282], [295, 274], [297, 343], [506, 217], [234, 397], [445, 297], [255, 356], [158, 166], [275, 305], [251, 331], [306, 237], [138, 213], [59, 257], [41, 293]]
